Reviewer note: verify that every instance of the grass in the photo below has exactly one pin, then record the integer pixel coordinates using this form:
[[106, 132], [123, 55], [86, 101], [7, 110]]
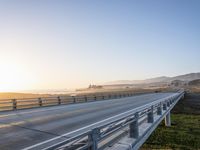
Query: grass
[[184, 134]]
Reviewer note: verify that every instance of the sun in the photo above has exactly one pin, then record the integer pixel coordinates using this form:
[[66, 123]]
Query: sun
[[14, 77]]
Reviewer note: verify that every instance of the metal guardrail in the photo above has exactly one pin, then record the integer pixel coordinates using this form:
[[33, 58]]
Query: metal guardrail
[[102, 136], [15, 104]]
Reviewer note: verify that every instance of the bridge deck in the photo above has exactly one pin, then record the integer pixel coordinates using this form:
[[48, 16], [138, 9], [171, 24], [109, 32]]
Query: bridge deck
[[24, 128]]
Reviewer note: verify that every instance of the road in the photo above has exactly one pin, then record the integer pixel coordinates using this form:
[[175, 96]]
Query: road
[[37, 128]]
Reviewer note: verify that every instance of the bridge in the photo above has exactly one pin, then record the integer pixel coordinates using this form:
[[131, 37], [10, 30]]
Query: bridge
[[112, 122]]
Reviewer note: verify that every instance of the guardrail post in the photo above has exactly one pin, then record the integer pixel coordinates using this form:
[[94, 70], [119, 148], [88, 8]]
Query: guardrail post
[[170, 101], [168, 120], [74, 99], [168, 104], [150, 118], [103, 97], [94, 139], [40, 102], [85, 98], [14, 103], [159, 109], [164, 106], [59, 100], [95, 97], [134, 127]]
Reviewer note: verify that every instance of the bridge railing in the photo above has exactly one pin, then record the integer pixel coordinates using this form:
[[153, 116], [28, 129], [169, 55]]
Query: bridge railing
[[102, 136], [23, 103]]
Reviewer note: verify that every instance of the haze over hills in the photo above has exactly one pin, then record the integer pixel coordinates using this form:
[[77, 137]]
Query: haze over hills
[[185, 77]]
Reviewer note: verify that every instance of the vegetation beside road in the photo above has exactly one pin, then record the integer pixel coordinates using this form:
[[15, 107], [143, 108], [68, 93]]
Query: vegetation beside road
[[184, 134], [10, 95]]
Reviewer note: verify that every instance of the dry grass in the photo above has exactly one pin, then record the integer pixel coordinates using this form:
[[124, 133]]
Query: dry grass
[[21, 95], [8, 95]]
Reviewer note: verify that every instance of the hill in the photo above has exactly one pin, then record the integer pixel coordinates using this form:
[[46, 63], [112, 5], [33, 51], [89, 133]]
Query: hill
[[194, 82], [162, 79], [187, 77]]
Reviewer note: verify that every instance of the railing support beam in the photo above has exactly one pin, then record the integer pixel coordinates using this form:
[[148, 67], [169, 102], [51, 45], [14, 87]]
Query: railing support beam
[[134, 127], [59, 100], [14, 104], [94, 139], [74, 99], [168, 120], [85, 98], [159, 109], [168, 104], [40, 102], [150, 118], [164, 106]]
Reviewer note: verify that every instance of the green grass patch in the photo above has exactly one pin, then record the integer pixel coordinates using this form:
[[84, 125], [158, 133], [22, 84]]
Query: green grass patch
[[184, 134]]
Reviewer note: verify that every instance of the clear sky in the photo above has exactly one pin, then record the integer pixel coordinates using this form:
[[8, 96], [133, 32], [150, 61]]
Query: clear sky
[[56, 44]]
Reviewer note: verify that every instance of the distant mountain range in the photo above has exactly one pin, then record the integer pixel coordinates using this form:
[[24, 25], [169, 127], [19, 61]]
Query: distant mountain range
[[164, 79]]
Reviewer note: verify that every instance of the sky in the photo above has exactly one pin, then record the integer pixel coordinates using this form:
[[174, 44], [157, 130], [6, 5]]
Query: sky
[[64, 44]]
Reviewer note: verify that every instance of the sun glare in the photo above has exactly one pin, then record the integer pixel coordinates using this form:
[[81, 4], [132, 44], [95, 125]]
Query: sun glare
[[14, 77]]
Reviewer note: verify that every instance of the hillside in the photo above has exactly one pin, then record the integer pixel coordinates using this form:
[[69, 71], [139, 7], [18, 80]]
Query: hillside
[[187, 77], [194, 82], [163, 79]]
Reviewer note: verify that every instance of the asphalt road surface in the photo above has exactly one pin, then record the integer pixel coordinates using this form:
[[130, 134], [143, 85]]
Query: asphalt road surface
[[41, 127]]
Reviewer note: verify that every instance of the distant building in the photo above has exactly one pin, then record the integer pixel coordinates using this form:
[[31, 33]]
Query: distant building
[[95, 86]]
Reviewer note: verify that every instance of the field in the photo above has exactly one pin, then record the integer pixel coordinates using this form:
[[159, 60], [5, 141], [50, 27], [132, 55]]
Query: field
[[184, 134], [9, 95]]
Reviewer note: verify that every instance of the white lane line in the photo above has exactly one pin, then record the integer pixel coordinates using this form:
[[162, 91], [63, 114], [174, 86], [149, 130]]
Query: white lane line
[[44, 142]]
